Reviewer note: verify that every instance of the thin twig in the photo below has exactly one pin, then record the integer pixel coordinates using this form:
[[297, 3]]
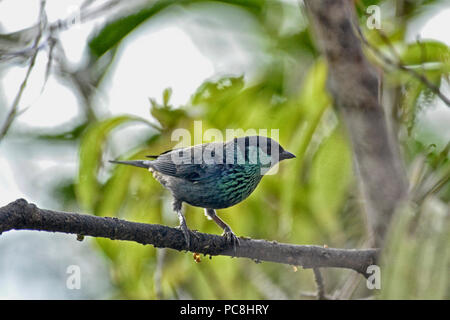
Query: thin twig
[[14, 108], [346, 290], [157, 276], [51, 42], [310, 294], [399, 65], [320, 285], [86, 13], [266, 287]]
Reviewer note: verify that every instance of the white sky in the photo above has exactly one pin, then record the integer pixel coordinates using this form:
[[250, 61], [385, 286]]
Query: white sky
[[146, 70]]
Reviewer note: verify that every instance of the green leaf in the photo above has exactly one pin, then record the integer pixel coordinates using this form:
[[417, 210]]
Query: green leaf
[[312, 93], [111, 35], [167, 93], [166, 115], [330, 178], [118, 186], [118, 29], [88, 188], [425, 51], [220, 92]]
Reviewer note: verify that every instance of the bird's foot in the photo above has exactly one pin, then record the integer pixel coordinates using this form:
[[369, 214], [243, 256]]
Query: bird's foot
[[186, 231], [231, 238], [187, 235]]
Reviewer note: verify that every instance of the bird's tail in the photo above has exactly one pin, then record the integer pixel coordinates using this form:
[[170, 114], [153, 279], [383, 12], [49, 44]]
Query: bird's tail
[[137, 163]]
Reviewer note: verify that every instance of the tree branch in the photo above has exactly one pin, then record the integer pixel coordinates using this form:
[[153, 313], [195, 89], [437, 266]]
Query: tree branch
[[21, 215], [354, 84]]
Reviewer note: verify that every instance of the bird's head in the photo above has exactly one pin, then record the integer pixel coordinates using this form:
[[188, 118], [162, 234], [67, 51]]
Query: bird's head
[[260, 150]]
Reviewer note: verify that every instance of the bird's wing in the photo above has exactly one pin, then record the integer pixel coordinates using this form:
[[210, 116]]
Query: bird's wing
[[186, 163], [190, 172]]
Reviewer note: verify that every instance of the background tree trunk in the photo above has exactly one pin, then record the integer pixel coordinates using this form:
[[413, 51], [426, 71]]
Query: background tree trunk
[[354, 84]]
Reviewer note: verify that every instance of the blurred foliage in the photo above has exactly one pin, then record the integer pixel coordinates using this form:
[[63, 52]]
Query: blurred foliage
[[311, 200], [135, 195], [417, 258]]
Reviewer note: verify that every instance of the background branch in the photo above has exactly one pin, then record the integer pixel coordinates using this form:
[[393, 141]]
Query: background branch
[[21, 215], [15, 105], [320, 285], [400, 65], [354, 84], [44, 35]]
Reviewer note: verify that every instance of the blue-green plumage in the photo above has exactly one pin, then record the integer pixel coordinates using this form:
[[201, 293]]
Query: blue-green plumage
[[214, 175]]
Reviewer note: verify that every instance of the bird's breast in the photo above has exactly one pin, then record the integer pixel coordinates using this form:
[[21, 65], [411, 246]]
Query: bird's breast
[[216, 192]]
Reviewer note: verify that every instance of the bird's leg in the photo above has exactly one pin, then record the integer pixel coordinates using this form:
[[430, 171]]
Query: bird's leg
[[183, 226], [227, 232]]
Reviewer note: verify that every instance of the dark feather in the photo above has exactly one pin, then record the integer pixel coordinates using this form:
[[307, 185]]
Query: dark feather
[[136, 163], [165, 152]]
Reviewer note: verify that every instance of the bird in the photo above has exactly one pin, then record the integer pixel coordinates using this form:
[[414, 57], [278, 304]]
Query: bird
[[213, 175]]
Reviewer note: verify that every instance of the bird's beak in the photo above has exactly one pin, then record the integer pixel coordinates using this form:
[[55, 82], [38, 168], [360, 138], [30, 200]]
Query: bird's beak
[[286, 155]]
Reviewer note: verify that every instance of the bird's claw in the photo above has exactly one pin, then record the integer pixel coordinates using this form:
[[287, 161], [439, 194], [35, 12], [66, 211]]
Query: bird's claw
[[187, 235], [231, 238]]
